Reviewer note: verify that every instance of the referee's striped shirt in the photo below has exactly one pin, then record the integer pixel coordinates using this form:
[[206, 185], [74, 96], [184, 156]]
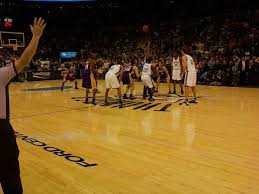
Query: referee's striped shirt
[[6, 75]]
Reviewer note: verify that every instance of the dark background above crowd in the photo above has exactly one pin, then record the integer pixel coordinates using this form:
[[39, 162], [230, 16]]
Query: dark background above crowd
[[222, 36]]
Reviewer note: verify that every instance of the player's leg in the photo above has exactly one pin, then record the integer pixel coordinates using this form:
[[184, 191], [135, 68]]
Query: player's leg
[[132, 86], [194, 100], [151, 88], [185, 101], [97, 90], [155, 78], [86, 96], [168, 84], [85, 85], [108, 86], [126, 92], [94, 89], [76, 85], [65, 78], [106, 96], [63, 84], [151, 93], [186, 89], [94, 95], [181, 85], [192, 83], [120, 99], [126, 81], [144, 92], [146, 81], [144, 87], [158, 84], [174, 83], [194, 91], [116, 84]]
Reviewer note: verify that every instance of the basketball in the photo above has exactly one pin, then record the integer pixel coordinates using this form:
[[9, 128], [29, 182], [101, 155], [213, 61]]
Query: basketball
[[145, 28]]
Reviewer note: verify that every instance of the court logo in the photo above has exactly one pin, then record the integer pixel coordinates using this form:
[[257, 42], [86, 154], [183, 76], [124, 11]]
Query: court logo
[[56, 151], [162, 103]]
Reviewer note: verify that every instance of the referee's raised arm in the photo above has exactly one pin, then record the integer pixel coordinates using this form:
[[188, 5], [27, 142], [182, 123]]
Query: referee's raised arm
[[37, 30], [9, 165]]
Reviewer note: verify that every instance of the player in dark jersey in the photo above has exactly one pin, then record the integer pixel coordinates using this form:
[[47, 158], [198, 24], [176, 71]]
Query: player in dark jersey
[[69, 75], [89, 76], [129, 75], [162, 74]]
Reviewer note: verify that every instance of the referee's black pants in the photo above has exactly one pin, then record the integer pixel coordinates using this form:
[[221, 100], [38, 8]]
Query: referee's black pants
[[9, 164]]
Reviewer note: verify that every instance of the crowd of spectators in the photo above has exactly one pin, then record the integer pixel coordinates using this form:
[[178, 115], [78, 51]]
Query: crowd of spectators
[[226, 48]]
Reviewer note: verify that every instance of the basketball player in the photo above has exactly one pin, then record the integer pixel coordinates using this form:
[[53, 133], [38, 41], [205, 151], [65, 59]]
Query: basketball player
[[69, 75], [155, 74], [129, 75], [112, 80], [146, 78], [9, 152], [190, 77], [176, 71], [163, 74], [89, 76]]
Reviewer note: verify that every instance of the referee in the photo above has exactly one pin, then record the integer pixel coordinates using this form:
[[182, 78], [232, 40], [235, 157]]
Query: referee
[[9, 152]]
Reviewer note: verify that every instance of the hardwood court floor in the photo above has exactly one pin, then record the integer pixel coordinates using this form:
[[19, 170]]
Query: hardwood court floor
[[206, 148]]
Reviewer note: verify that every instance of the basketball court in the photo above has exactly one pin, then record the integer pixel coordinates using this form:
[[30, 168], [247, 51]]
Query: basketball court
[[69, 147]]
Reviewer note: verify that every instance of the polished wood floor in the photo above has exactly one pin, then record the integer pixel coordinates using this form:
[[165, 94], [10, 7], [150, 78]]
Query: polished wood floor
[[207, 148]]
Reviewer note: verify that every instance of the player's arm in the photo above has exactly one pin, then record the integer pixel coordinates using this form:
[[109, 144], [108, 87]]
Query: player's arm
[[183, 64], [157, 72], [154, 69], [136, 71], [121, 73], [92, 64], [37, 30]]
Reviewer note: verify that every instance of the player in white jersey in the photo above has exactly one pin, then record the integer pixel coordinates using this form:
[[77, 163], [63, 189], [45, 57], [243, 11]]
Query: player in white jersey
[[176, 71], [146, 78], [112, 80], [190, 77]]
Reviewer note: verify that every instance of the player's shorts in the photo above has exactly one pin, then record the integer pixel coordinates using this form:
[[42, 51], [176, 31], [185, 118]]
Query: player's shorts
[[190, 79], [162, 76], [154, 78], [176, 75], [111, 81], [126, 78], [89, 83], [9, 164], [70, 78], [148, 81]]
